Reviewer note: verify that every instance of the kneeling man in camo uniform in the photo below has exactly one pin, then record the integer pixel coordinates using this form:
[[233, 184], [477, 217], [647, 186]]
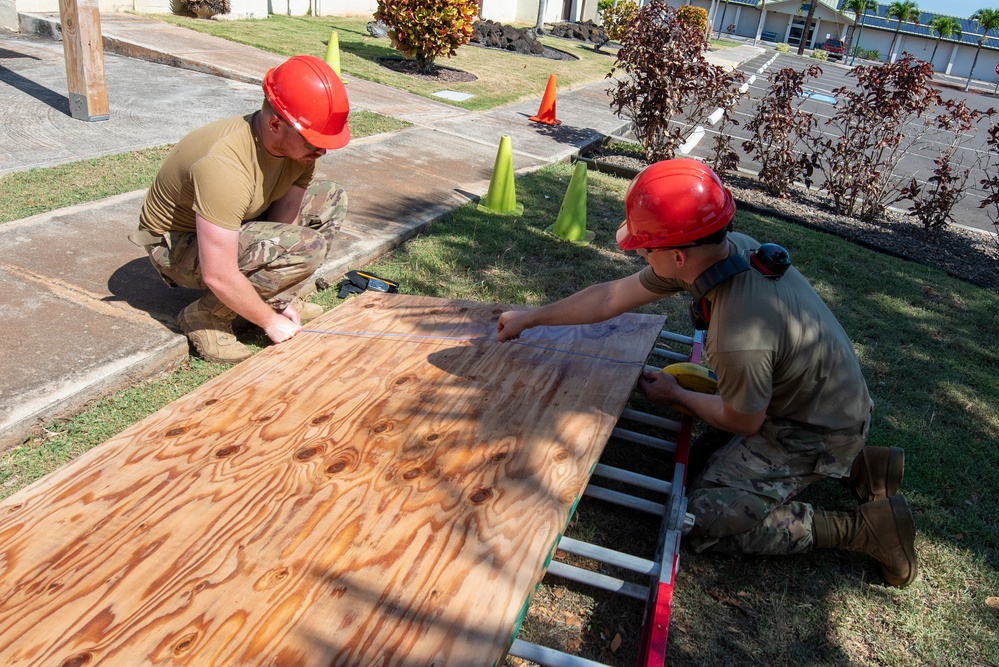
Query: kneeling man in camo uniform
[[234, 210], [792, 406]]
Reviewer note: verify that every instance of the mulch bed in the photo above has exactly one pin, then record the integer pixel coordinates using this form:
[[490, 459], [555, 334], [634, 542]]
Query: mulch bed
[[438, 73]]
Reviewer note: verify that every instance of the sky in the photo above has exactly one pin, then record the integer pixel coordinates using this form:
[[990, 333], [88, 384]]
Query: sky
[[961, 8]]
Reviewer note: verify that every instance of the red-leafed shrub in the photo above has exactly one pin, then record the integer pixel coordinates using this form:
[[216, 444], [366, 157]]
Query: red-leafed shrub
[[669, 87]]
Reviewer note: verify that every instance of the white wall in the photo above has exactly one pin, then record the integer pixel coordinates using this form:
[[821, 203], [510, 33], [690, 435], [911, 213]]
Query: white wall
[[345, 7], [8, 15]]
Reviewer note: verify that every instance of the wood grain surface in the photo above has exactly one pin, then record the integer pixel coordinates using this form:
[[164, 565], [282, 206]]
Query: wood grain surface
[[383, 489]]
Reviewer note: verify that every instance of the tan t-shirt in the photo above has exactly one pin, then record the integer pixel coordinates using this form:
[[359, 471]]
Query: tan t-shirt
[[775, 344], [222, 172]]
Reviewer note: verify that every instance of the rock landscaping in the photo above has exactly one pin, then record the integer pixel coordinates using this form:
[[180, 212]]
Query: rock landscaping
[[493, 35], [587, 31]]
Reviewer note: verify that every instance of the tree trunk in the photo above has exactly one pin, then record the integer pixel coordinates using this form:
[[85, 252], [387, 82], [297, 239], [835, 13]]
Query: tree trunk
[[973, 63], [542, 8], [807, 27], [722, 22], [759, 26]]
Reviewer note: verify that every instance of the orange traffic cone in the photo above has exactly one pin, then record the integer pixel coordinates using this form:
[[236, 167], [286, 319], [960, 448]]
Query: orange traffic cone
[[546, 113]]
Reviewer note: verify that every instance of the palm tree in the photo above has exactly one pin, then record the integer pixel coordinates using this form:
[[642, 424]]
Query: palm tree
[[859, 9], [987, 20], [808, 26], [759, 26], [540, 25], [722, 22], [901, 10], [943, 26]]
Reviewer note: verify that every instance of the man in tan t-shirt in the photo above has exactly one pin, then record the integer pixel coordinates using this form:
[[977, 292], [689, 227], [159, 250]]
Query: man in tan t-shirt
[[792, 400], [234, 209]]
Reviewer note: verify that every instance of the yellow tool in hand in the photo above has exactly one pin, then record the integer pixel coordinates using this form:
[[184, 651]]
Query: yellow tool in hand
[[693, 377]]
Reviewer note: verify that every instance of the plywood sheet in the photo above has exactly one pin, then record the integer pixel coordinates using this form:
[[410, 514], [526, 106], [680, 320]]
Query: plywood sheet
[[383, 489]]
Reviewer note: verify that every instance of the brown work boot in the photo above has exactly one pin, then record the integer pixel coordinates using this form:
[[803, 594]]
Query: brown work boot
[[208, 324], [306, 311], [876, 473], [883, 529]]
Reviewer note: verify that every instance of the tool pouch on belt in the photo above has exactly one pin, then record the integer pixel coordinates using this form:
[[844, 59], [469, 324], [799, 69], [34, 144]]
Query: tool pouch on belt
[[145, 238], [360, 281], [321, 202]]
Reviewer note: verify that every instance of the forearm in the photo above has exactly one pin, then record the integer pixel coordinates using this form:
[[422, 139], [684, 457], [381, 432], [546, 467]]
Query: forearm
[[594, 304], [588, 306], [287, 209], [235, 291], [664, 389]]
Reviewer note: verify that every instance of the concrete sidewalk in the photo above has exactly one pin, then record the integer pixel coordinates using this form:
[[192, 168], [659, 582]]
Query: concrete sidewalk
[[84, 312]]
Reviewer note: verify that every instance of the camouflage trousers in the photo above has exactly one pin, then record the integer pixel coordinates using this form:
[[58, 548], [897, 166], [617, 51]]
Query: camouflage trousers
[[276, 258], [742, 502]]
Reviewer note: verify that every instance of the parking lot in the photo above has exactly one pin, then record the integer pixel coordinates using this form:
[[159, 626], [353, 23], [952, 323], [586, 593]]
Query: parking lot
[[918, 159]]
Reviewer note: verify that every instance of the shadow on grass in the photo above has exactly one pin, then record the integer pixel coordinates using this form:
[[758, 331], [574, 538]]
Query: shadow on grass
[[925, 344]]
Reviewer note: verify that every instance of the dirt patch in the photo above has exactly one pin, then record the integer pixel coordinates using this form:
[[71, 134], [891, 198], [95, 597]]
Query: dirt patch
[[438, 73], [967, 254]]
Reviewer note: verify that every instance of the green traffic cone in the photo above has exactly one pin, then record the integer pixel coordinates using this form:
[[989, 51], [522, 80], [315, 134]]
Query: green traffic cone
[[333, 52], [570, 225], [502, 196]]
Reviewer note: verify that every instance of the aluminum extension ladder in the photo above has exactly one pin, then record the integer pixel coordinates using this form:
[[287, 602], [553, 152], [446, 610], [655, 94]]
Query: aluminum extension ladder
[[661, 572]]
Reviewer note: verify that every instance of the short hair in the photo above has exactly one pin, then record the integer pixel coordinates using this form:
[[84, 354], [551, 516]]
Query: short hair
[[714, 238]]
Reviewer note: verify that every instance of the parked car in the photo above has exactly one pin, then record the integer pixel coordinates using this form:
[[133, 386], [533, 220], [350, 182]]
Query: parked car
[[834, 47]]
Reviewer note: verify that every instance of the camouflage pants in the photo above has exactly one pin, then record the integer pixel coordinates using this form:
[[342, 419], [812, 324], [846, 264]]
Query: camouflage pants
[[276, 258], [742, 501]]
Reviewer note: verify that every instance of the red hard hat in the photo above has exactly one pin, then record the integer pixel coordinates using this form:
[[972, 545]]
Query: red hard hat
[[673, 203], [307, 93]]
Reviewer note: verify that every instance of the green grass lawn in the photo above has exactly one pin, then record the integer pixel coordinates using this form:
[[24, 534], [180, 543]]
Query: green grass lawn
[[503, 77], [33, 191], [924, 341]]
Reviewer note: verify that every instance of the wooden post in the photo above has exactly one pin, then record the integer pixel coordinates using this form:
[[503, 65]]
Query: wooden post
[[81, 38]]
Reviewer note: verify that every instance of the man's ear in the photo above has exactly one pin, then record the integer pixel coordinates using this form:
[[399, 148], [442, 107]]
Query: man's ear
[[274, 123], [679, 257]]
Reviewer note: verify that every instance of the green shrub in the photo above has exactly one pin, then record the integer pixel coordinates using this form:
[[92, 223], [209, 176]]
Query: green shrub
[[617, 18], [783, 47], [820, 54], [873, 54], [695, 16], [428, 29]]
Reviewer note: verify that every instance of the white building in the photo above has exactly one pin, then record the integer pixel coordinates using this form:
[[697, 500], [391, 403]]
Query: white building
[[769, 20], [503, 11], [784, 22]]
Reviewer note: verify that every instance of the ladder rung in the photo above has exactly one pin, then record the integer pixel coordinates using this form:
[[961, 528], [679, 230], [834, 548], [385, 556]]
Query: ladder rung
[[633, 478], [609, 556], [624, 500], [597, 580], [548, 656], [675, 337], [651, 420], [670, 354], [642, 439]]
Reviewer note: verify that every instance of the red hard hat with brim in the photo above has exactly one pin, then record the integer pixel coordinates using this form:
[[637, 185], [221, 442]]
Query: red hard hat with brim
[[674, 203], [307, 93]]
